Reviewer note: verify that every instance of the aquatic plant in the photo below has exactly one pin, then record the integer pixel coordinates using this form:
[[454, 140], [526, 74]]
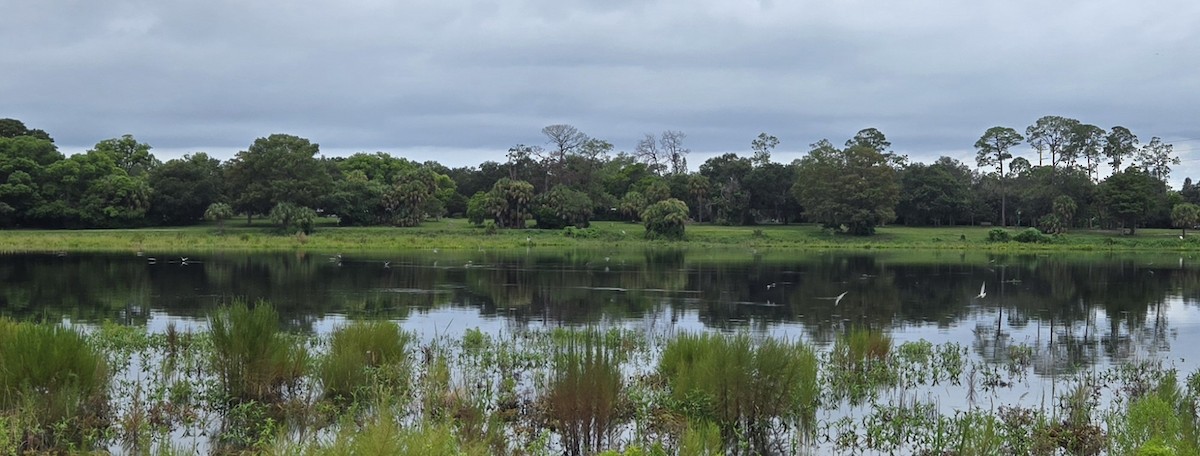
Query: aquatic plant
[[53, 386], [746, 389], [253, 360], [584, 397], [364, 351]]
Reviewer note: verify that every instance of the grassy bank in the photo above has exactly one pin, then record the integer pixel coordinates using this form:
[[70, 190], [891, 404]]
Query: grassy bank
[[458, 234]]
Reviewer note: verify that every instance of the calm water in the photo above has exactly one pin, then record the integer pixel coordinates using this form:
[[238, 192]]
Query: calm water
[[1097, 309]]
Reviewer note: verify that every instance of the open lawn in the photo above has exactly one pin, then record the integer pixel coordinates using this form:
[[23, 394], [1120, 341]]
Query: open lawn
[[459, 234]]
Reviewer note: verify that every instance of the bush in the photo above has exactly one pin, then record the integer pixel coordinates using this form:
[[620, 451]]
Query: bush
[[562, 207], [51, 374], [253, 360], [998, 235], [665, 219], [1031, 236], [291, 218], [585, 392], [362, 351]]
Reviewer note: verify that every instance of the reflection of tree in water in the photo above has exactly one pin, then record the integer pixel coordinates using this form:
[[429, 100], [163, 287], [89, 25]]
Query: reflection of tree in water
[[1101, 306], [51, 287]]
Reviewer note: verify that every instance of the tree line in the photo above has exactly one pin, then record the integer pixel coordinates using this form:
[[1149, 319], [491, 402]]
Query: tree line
[[571, 179]]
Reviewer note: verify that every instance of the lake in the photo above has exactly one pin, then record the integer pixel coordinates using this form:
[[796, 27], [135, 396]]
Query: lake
[[1078, 312]]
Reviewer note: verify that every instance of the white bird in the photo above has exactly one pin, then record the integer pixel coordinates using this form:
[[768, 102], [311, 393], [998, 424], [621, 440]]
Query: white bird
[[982, 290], [387, 264], [838, 300], [770, 285]]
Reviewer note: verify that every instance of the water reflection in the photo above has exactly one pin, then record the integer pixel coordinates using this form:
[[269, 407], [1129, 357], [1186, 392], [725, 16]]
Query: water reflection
[[1076, 309]]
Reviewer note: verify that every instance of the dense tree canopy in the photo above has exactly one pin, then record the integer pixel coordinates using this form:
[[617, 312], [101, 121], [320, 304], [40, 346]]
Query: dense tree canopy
[[571, 178]]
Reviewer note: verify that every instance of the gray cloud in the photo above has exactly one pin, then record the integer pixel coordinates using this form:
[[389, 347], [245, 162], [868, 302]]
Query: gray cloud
[[458, 79]]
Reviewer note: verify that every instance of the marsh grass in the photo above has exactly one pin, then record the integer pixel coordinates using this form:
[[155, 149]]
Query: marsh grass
[[584, 400], [365, 356], [253, 360], [751, 391], [860, 364], [52, 384]]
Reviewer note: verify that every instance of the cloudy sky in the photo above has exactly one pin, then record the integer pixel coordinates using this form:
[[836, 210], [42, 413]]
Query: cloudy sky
[[460, 81]]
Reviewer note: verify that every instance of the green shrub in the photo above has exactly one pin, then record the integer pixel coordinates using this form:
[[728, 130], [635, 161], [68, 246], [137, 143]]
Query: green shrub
[[54, 382], [253, 360], [665, 219], [998, 235], [290, 218], [561, 207], [364, 351], [1031, 236]]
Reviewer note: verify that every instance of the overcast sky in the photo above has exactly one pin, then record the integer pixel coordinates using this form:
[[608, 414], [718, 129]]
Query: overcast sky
[[462, 81]]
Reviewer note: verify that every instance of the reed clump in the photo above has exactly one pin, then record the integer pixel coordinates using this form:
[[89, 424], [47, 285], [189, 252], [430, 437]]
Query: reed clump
[[53, 386], [363, 355], [253, 360], [751, 391], [584, 399]]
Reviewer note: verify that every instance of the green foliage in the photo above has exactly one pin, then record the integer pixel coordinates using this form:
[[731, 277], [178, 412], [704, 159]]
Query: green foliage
[[1050, 223], [561, 207], [665, 219], [220, 212], [386, 435], [357, 200], [183, 188], [362, 354], [1185, 215], [408, 201], [277, 169], [53, 376], [508, 203], [1132, 197], [1032, 236], [290, 218], [477, 208], [632, 205], [253, 360], [585, 392], [741, 386], [998, 235], [1064, 209], [853, 189]]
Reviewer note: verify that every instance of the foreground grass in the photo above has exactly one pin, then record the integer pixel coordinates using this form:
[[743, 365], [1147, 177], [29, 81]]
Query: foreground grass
[[617, 392], [459, 234]]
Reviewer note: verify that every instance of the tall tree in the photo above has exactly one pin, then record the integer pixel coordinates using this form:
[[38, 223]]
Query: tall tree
[[12, 128], [129, 154], [1185, 215], [1156, 158], [647, 152], [993, 150], [277, 169], [874, 139], [1119, 145], [1087, 142], [855, 188], [1050, 134], [24, 161], [762, 147], [671, 143]]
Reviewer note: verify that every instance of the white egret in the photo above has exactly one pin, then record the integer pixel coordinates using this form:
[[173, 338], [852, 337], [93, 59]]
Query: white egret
[[982, 290]]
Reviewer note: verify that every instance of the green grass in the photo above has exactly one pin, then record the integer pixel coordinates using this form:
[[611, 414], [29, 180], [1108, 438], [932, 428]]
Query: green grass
[[53, 384], [254, 361], [363, 354], [740, 385], [584, 397], [459, 234]]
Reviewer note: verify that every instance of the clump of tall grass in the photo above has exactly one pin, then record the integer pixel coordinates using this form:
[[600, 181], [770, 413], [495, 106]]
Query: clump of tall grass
[[53, 385], [584, 398], [746, 389], [859, 364], [386, 435], [253, 360], [363, 354]]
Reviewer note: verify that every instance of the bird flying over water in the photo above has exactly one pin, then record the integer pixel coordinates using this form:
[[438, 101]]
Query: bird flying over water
[[838, 300], [982, 290]]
